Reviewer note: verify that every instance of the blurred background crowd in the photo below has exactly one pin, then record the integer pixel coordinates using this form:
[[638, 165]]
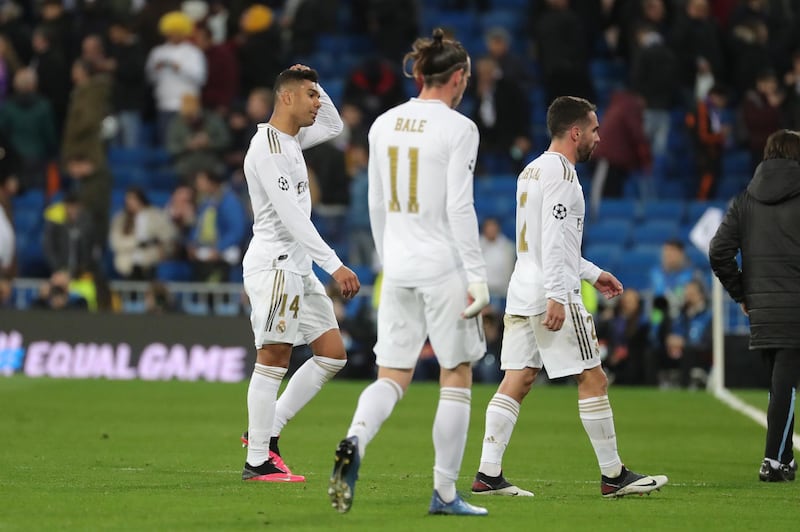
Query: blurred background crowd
[[124, 123]]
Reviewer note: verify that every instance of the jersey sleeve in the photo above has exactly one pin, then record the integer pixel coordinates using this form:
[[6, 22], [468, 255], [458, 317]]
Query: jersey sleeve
[[589, 271], [284, 200], [327, 125], [557, 196], [375, 197], [460, 202]]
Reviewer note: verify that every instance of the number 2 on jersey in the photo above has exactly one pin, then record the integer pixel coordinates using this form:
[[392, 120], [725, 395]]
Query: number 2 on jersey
[[413, 171]]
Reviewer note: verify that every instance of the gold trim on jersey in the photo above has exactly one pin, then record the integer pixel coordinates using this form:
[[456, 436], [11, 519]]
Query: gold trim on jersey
[[569, 175], [580, 332], [274, 141], [278, 284]]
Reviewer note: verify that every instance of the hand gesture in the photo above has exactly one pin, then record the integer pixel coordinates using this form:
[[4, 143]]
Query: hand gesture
[[554, 315], [608, 285], [348, 281]]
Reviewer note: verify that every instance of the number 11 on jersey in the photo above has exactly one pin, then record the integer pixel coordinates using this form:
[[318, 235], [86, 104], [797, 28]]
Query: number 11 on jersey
[[413, 174]]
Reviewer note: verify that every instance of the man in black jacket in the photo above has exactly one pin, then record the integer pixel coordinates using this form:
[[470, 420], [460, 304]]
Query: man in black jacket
[[764, 223]]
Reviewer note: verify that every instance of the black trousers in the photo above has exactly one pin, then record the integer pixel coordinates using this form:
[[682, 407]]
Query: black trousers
[[784, 366]]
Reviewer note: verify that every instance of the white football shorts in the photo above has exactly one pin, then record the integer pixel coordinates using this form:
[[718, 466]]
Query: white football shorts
[[288, 308], [567, 351], [407, 316]]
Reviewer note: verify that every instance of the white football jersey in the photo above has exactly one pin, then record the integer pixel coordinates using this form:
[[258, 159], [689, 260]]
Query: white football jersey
[[277, 179], [550, 214], [421, 159]]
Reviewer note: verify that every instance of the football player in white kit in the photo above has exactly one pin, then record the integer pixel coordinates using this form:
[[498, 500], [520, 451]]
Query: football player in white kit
[[289, 304], [421, 160], [546, 324]]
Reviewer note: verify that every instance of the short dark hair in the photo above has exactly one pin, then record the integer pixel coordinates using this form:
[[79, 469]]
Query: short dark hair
[[290, 76], [675, 243], [565, 112], [783, 144], [435, 59]]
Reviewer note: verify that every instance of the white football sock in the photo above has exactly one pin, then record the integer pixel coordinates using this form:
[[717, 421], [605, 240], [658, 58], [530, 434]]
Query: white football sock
[[375, 405], [303, 386], [261, 396], [598, 421], [501, 416], [449, 438]]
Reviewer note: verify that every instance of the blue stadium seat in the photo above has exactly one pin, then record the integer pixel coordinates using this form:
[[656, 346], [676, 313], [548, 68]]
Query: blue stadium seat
[[335, 89], [117, 200], [614, 231], [504, 18], [730, 187], [496, 185], [129, 176], [462, 23], [520, 5], [31, 199], [669, 210], [655, 232], [366, 275], [128, 156], [173, 270], [618, 209], [736, 162], [495, 206], [158, 157], [606, 256], [632, 278], [698, 258], [162, 179], [158, 198], [643, 256]]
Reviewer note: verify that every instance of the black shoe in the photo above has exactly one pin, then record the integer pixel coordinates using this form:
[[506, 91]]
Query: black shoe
[[628, 483], [269, 472], [342, 484], [784, 473], [486, 485]]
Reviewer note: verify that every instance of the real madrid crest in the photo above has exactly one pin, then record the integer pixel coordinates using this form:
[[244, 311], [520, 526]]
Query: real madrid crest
[[281, 326]]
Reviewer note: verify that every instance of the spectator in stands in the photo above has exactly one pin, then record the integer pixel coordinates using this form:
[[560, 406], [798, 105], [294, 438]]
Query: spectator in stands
[[182, 213], [222, 85], [749, 52], [711, 134], [92, 184], [16, 29], [671, 276], [697, 44], [762, 112], [129, 93], [501, 114], [359, 232], [94, 54], [623, 332], [392, 25], [216, 241], [654, 75], [374, 86], [624, 148], [196, 138], [52, 74], [175, 68], [141, 237], [689, 341], [57, 293], [27, 121], [564, 62], [68, 237], [89, 105], [9, 64], [259, 47], [327, 168], [511, 66], [242, 125], [500, 255], [61, 26]]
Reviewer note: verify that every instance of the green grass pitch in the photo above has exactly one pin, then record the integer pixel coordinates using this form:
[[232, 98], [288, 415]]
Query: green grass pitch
[[132, 455]]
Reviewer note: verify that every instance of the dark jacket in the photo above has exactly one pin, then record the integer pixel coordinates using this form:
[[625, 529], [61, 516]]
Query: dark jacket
[[764, 223]]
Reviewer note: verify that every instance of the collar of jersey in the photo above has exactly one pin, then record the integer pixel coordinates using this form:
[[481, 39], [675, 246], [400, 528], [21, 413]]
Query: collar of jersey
[[562, 157], [273, 128], [427, 100]]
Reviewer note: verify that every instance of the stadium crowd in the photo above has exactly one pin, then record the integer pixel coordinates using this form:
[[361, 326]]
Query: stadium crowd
[[124, 123]]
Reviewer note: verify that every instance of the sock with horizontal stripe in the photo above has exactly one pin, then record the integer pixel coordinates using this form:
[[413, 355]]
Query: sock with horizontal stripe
[[598, 421], [261, 397], [449, 438], [501, 416], [303, 386], [375, 405]]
